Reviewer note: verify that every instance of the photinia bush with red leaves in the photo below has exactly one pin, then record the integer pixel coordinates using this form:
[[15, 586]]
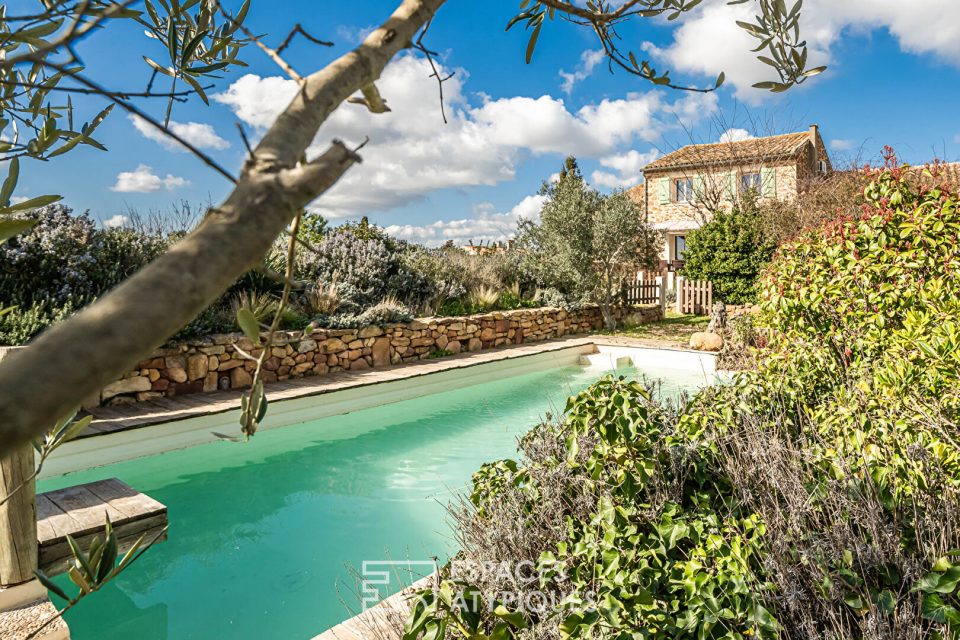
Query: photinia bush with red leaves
[[867, 287]]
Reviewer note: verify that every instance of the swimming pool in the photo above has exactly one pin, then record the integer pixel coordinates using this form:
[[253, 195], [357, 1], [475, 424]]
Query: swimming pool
[[266, 537]]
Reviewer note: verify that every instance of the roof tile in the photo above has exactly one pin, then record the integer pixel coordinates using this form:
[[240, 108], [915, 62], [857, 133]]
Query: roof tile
[[722, 153]]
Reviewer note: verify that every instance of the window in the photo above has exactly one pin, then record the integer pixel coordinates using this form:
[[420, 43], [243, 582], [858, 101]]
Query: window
[[684, 190], [823, 166], [679, 247], [750, 181]]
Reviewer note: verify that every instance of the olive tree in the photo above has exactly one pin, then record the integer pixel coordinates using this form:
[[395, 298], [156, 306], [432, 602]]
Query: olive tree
[[585, 243]]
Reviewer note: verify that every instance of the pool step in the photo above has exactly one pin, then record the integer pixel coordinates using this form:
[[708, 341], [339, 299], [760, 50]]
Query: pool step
[[605, 361], [81, 512]]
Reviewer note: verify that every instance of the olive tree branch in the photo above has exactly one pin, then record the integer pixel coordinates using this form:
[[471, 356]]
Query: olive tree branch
[[98, 89], [77, 358], [76, 31]]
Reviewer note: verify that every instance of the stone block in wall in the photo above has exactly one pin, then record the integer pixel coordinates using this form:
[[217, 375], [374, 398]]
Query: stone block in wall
[[371, 332], [380, 352], [333, 345], [197, 367], [211, 382], [176, 374], [127, 385], [240, 378], [305, 346]]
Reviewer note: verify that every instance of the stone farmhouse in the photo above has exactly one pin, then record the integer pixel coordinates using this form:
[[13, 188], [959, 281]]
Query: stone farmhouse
[[681, 189]]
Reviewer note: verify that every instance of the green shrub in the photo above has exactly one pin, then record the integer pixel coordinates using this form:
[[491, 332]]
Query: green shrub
[[19, 325], [731, 252], [817, 496]]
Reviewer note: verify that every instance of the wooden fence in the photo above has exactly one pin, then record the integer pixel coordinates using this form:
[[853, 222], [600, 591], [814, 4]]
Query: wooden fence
[[635, 292], [694, 296]]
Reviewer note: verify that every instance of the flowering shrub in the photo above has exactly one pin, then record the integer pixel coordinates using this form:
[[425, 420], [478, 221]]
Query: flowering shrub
[[369, 263], [817, 496], [876, 291]]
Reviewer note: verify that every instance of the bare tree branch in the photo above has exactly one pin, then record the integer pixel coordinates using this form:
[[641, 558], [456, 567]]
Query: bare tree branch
[[74, 360], [298, 28]]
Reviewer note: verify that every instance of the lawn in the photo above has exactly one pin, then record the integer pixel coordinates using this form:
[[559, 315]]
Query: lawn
[[675, 329]]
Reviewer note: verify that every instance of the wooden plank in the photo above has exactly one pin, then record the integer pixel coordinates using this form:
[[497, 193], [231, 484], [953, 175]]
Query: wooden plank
[[80, 512], [52, 521], [128, 501], [56, 560], [83, 507]]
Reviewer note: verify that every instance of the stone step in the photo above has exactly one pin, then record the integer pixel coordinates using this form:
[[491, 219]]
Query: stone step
[[605, 361]]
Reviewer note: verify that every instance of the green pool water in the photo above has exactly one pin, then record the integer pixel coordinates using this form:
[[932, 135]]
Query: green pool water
[[267, 537]]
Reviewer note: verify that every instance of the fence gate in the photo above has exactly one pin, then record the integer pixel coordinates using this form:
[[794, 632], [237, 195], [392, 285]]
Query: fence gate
[[694, 296], [636, 292]]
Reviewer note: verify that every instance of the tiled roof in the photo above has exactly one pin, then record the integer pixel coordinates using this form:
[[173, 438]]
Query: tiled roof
[[720, 153]]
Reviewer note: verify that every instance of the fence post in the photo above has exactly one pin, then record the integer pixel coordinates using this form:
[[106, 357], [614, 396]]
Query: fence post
[[18, 519], [662, 291], [680, 282]]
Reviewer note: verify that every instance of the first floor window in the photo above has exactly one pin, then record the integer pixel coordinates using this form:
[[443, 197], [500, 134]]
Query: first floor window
[[750, 181], [684, 190]]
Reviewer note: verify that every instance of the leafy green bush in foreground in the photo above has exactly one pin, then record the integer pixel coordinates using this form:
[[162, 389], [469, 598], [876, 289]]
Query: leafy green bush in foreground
[[816, 497]]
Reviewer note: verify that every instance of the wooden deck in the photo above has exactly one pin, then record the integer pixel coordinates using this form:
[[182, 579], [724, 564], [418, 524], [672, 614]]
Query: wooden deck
[[81, 512]]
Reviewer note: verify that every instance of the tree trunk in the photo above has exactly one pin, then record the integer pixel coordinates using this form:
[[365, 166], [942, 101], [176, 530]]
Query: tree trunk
[[18, 518], [606, 307], [76, 358]]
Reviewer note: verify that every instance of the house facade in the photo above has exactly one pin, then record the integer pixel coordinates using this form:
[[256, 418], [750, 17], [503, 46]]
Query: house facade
[[682, 189]]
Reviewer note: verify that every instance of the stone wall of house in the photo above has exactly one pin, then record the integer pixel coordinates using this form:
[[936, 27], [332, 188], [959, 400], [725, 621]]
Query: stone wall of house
[[216, 362], [714, 183]]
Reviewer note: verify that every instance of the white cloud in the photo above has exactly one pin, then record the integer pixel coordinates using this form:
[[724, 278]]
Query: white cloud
[[626, 166], [411, 152], [708, 40], [354, 35], [200, 135], [115, 221], [842, 145], [485, 226], [735, 135], [588, 61], [144, 180]]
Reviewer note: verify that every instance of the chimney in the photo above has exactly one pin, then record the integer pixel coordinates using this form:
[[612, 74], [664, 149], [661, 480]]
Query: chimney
[[815, 156]]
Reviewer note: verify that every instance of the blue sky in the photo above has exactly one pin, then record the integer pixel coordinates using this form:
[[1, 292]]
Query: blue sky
[[894, 78]]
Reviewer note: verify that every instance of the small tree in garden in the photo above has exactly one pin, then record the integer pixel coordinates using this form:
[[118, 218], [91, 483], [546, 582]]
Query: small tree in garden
[[558, 252], [622, 243], [730, 251], [585, 242]]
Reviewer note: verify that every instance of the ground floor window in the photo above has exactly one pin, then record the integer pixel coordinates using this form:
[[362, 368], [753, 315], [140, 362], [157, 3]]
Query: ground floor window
[[679, 247]]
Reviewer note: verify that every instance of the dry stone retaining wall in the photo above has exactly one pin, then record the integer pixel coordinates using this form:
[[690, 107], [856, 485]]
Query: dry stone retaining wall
[[214, 363]]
